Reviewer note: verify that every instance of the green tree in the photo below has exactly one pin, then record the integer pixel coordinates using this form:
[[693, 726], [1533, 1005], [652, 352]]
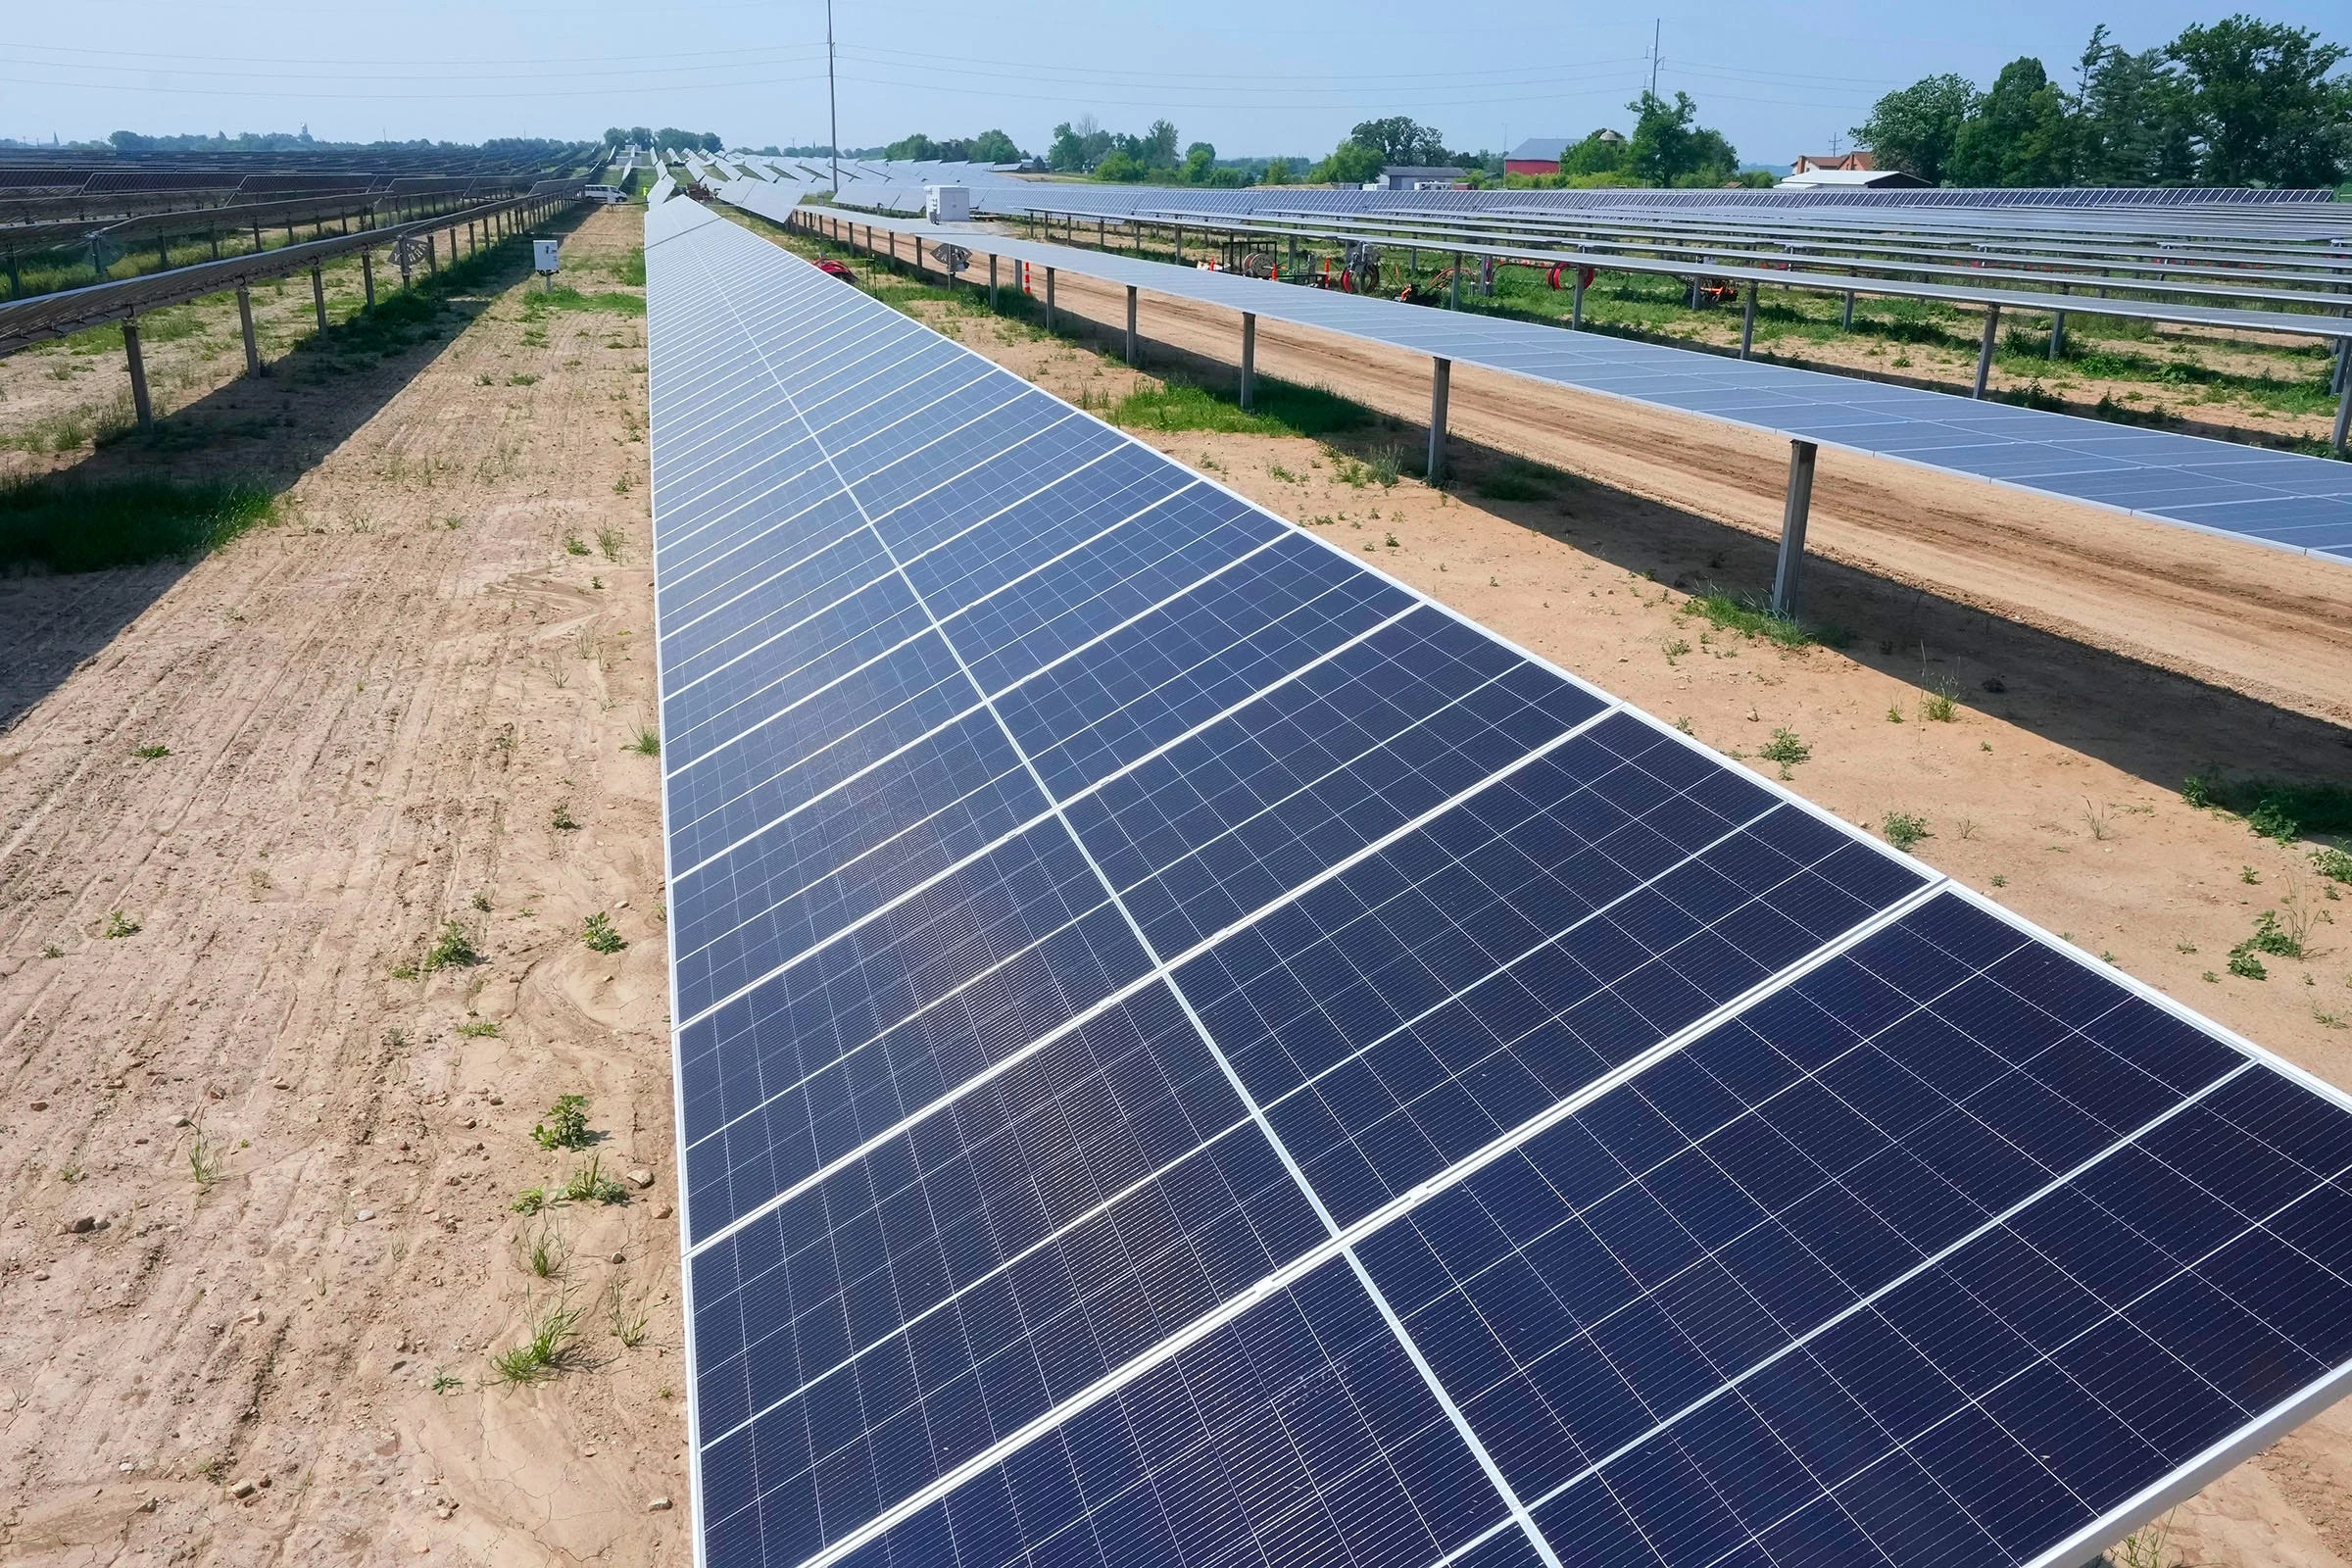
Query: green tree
[[2021, 134], [1917, 128], [1158, 145], [1601, 153], [2262, 107], [1279, 171], [642, 136], [994, 147], [2130, 118], [1077, 148], [1669, 147], [1351, 162], [1199, 163], [1402, 139]]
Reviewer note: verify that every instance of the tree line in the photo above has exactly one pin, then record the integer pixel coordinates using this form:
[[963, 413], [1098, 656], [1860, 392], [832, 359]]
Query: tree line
[[2237, 102], [668, 139]]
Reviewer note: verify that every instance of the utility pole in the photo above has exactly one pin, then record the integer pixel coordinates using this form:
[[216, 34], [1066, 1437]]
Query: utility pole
[[1657, 32], [832, 104]]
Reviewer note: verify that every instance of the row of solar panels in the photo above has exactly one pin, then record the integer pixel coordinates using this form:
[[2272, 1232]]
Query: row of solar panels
[[2279, 499], [1190, 1052]]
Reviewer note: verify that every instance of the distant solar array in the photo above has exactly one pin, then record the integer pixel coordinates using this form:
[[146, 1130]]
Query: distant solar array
[[2277, 499], [1190, 1052]]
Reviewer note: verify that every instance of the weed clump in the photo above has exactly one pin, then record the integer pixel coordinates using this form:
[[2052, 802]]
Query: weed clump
[[566, 1124], [1788, 749], [597, 931], [2275, 808], [117, 926], [590, 1185], [1903, 829], [551, 1348], [1725, 612], [452, 948], [646, 742]]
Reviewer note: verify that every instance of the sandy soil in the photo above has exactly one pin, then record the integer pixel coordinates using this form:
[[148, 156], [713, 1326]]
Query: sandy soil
[[374, 712], [2057, 792]]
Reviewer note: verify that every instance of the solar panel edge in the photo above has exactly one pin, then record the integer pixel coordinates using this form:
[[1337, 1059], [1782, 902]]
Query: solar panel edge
[[695, 1521], [2289, 1410]]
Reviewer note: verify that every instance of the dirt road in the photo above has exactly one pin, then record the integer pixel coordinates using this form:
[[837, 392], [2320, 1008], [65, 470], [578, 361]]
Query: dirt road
[[262, 1154]]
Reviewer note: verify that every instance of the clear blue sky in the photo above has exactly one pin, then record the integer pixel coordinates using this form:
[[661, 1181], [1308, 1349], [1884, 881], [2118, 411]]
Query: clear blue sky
[[1778, 77]]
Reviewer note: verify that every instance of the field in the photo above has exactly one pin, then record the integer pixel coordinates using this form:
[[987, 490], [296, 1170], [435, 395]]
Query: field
[[330, 862]]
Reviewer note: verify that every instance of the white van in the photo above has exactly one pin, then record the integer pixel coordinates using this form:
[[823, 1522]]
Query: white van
[[610, 195]]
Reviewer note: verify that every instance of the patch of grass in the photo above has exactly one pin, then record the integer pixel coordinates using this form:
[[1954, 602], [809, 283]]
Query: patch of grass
[[446, 1382], [2275, 807], [609, 540], [1279, 408], [544, 1253], [598, 933], [646, 742], [117, 926], [574, 545], [626, 1311], [68, 526], [552, 1347], [1785, 748], [2332, 864], [563, 821], [530, 1201], [1518, 480], [566, 1124], [452, 948], [151, 753], [524, 378], [1904, 829], [1726, 613], [1386, 465], [2269, 938], [1939, 707], [590, 1185], [478, 1029], [539, 302], [204, 1162]]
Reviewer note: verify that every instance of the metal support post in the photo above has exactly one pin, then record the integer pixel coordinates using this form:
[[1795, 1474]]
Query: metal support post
[[2057, 334], [319, 293], [992, 281], [1694, 291], [1747, 322], [1102, 233], [1439, 383], [2343, 419], [1576, 304], [368, 277], [253, 353], [1453, 299], [1785, 580], [1179, 244], [1133, 358], [1049, 299], [1993, 333], [138, 373], [432, 254], [1845, 316], [1248, 360]]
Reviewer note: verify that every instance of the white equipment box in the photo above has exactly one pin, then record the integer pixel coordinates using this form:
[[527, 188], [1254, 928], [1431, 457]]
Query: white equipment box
[[948, 204]]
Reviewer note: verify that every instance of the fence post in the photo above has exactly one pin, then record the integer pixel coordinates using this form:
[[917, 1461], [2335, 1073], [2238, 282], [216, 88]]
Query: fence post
[[318, 292], [1993, 333], [1793, 516], [138, 373], [1131, 353], [368, 277], [1747, 322], [1439, 383], [253, 353], [1248, 360]]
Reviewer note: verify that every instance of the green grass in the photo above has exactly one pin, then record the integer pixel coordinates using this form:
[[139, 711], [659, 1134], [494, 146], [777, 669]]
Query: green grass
[[590, 1185], [64, 525], [599, 935], [452, 948], [1282, 409], [1518, 480], [1903, 829], [550, 1350], [2276, 808], [1727, 613], [539, 302]]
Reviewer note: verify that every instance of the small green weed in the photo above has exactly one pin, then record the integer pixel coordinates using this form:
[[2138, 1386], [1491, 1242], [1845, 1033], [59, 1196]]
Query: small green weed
[[2332, 864], [117, 926], [530, 1201], [204, 1160], [446, 1382], [478, 1029], [1904, 829], [563, 821], [598, 933], [551, 1348], [609, 540], [590, 1185], [452, 948], [1785, 748], [152, 753], [646, 742], [1939, 707], [574, 545], [2247, 966], [566, 1124], [1725, 612]]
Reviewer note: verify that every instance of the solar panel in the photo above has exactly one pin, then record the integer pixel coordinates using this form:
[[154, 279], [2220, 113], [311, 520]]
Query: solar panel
[[1190, 1052], [2280, 499]]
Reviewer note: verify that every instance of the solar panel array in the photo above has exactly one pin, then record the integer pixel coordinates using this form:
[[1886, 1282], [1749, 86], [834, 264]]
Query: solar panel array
[[1190, 1052], [2282, 500]]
